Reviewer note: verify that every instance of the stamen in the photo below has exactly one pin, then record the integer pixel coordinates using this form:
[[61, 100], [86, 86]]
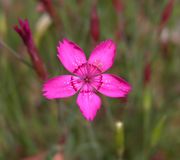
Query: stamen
[[90, 76]]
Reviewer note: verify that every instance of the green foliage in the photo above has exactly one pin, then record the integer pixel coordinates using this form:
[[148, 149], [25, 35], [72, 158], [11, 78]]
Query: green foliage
[[31, 125]]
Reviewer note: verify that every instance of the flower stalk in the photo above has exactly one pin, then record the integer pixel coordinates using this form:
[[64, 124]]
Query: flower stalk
[[119, 7], [49, 8]]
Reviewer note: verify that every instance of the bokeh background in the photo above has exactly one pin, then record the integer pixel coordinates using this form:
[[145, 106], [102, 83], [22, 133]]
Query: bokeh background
[[143, 126]]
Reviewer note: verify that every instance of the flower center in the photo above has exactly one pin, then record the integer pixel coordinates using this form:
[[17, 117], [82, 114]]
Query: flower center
[[87, 80], [90, 75]]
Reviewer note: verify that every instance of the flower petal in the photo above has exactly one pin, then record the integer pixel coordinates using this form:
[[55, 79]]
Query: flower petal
[[88, 103], [103, 55], [61, 86], [70, 55], [111, 85]]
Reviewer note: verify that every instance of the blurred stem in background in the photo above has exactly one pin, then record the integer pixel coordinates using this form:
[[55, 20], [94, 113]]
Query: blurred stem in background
[[119, 139], [50, 9], [14, 53], [147, 103], [119, 8], [94, 23]]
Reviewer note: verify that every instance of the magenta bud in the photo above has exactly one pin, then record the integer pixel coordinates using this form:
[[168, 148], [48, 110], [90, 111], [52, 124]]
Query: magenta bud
[[94, 24], [25, 33]]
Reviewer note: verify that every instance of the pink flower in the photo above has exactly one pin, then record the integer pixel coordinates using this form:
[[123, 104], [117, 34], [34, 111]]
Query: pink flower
[[87, 78]]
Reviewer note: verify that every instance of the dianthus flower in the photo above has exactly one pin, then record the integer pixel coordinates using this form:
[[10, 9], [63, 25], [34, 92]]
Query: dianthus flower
[[88, 77]]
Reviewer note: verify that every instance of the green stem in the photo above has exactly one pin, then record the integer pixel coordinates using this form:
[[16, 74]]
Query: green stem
[[14, 53]]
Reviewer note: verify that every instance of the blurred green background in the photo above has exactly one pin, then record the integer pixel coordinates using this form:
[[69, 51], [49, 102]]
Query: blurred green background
[[145, 126]]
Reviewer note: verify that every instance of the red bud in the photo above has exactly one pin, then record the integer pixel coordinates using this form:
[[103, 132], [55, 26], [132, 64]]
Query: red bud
[[118, 5], [94, 24], [147, 73], [166, 13]]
